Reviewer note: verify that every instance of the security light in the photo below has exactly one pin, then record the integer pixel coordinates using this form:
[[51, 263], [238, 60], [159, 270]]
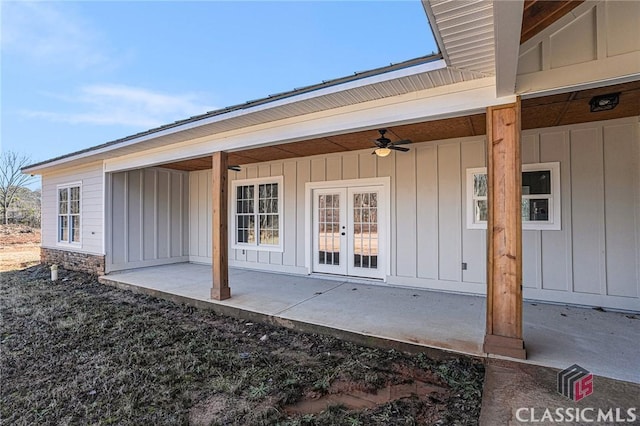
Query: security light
[[604, 102]]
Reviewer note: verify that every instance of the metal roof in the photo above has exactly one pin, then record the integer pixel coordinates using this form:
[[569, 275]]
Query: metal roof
[[396, 79]]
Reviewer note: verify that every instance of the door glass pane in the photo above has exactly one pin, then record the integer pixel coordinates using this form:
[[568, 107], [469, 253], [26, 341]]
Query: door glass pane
[[328, 237], [365, 230]]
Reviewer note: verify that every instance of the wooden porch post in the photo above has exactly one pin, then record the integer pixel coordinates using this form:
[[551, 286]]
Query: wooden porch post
[[219, 240], [504, 233]]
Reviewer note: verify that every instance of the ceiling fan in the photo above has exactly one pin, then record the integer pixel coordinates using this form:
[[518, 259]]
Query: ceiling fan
[[384, 145]]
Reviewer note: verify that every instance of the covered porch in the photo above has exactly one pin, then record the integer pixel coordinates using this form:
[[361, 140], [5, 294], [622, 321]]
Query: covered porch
[[429, 241], [605, 343]]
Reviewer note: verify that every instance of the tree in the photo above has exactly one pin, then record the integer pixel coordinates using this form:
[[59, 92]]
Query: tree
[[12, 179], [25, 208]]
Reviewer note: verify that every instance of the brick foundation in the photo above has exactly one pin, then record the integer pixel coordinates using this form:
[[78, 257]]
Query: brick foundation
[[73, 261]]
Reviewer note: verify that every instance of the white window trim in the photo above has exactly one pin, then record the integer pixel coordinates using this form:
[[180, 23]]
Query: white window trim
[[233, 234], [58, 241], [554, 222]]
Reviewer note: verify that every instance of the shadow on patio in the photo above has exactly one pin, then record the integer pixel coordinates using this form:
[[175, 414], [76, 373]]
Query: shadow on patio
[[605, 343]]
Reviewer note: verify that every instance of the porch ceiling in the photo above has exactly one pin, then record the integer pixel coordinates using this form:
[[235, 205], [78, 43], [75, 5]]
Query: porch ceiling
[[548, 111], [427, 131]]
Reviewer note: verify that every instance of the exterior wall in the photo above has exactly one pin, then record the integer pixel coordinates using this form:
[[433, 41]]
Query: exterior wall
[[147, 221], [91, 178], [200, 214], [597, 41], [593, 260], [423, 208], [73, 261]]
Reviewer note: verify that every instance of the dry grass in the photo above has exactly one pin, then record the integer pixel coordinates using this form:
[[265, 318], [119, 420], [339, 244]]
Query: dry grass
[[77, 352], [19, 247]]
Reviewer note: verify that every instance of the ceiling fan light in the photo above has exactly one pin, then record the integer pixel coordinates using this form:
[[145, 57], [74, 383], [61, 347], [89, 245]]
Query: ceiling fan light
[[382, 152]]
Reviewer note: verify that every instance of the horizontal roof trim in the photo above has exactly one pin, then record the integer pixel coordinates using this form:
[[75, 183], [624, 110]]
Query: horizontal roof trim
[[390, 72]]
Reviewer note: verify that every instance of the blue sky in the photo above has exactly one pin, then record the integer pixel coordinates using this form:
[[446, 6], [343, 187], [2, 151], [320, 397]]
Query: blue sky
[[77, 74]]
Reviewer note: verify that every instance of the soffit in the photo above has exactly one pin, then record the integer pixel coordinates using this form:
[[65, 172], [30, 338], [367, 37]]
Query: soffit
[[573, 107], [420, 132], [386, 89], [464, 28], [548, 111]]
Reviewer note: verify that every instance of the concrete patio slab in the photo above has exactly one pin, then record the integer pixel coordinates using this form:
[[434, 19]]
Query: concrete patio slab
[[263, 293], [516, 394], [419, 317], [605, 343]]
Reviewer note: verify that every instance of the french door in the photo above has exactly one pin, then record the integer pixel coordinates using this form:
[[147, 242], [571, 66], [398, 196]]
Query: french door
[[348, 238]]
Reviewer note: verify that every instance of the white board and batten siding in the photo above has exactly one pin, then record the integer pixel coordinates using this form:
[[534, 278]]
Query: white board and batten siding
[[148, 218], [593, 260], [423, 208], [91, 179], [597, 41]]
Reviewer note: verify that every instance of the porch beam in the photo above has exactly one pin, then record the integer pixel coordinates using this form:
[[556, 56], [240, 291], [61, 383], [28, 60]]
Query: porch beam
[[219, 239], [504, 232]]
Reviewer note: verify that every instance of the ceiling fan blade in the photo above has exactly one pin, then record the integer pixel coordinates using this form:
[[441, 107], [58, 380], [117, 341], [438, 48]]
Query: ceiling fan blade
[[403, 142], [398, 148]]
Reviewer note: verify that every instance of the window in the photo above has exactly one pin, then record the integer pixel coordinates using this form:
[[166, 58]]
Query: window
[[257, 214], [540, 197], [69, 214]]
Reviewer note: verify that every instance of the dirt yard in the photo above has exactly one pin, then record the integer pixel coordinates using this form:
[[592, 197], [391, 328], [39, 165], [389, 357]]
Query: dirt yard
[[78, 352], [19, 247]]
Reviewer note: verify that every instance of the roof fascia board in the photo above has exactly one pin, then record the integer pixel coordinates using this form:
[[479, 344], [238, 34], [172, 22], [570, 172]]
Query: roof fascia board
[[431, 18], [507, 26], [366, 81], [76, 167], [416, 107]]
